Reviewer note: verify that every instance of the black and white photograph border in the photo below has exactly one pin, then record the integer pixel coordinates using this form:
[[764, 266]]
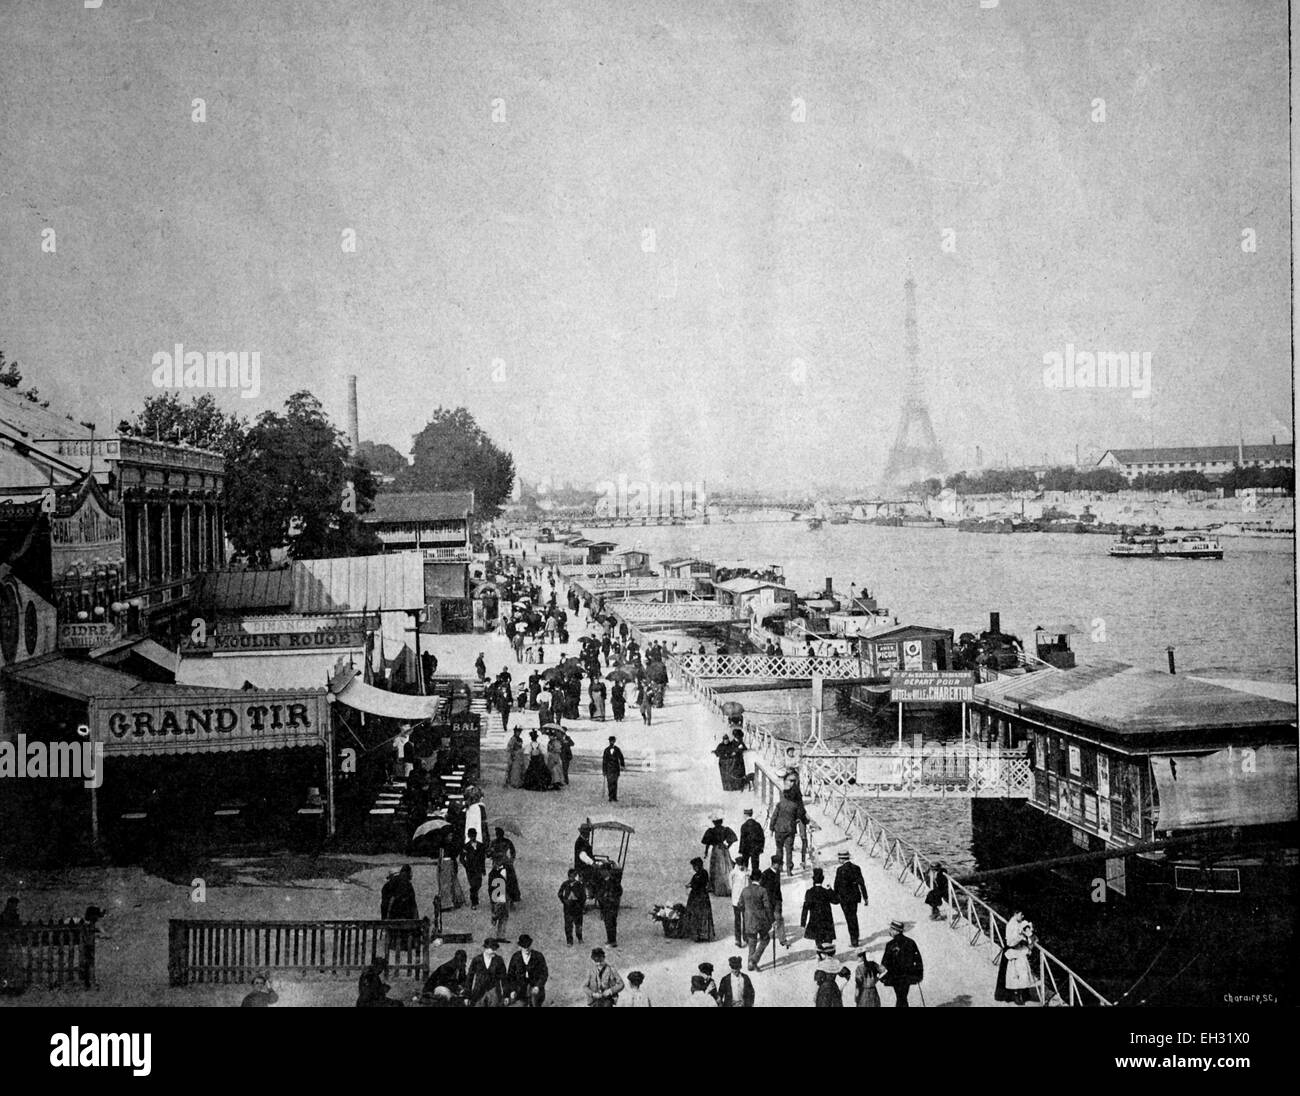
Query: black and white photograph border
[[676, 503]]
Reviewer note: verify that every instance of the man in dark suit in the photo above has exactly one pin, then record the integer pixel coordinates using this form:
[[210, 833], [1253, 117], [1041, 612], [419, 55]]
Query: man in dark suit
[[736, 990], [752, 840], [486, 978], [771, 880], [527, 975], [902, 963], [474, 857], [612, 765], [849, 888], [757, 907]]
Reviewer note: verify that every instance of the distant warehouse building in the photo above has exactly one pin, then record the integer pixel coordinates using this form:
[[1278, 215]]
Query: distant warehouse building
[[1210, 460]]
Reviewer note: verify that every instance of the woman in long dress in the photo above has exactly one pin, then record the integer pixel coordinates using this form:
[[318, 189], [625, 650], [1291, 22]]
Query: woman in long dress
[[515, 760], [742, 762], [699, 907], [864, 980], [724, 751], [717, 842], [555, 760], [450, 893], [537, 776], [618, 701], [1016, 981]]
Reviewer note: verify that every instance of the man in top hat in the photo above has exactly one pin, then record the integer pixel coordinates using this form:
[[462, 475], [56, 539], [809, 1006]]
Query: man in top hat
[[817, 918], [486, 977], [736, 990], [751, 844], [849, 887], [902, 963], [612, 765], [527, 975], [771, 880]]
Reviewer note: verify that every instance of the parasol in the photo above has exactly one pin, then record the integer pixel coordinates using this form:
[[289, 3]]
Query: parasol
[[620, 674], [733, 709], [551, 728], [510, 825], [432, 826], [551, 673]]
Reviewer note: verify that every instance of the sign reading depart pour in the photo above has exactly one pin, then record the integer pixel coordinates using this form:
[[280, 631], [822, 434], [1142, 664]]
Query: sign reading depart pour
[[950, 685]]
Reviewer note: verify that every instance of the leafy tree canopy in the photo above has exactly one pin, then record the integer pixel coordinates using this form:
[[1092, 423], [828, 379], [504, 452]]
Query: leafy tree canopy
[[200, 423], [454, 453], [383, 458], [285, 488]]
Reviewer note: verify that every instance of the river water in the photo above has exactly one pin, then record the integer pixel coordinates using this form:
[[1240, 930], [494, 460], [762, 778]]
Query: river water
[[1229, 618], [1233, 618]]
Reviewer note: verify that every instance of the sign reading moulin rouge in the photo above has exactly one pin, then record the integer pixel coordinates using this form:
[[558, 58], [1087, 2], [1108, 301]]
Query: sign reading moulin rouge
[[932, 685], [226, 720]]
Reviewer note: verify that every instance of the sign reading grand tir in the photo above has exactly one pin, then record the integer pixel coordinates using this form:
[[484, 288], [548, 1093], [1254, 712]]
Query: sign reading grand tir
[[222, 719], [932, 685]]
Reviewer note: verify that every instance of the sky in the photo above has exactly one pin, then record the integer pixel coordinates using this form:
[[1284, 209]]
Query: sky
[[661, 239]]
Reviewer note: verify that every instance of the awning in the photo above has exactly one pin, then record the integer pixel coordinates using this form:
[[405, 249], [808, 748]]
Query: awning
[[148, 649], [296, 670], [358, 695], [1231, 787], [74, 678]]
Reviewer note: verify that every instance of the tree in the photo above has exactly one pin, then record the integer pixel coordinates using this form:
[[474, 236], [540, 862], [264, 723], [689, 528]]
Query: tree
[[383, 458], [285, 488], [454, 453], [200, 423]]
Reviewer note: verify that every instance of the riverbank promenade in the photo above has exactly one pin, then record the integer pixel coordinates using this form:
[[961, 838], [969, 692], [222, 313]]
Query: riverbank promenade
[[669, 805]]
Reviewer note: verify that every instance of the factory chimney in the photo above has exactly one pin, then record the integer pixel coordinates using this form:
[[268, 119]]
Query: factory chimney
[[354, 431]]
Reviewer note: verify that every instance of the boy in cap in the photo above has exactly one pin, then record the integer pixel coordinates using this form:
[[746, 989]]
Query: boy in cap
[[736, 990], [604, 983]]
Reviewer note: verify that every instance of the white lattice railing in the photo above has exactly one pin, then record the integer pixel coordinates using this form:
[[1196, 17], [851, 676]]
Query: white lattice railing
[[636, 582], [934, 770], [770, 666], [692, 611]]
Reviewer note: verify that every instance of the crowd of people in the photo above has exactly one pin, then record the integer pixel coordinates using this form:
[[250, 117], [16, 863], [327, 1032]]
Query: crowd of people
[[607, 665]]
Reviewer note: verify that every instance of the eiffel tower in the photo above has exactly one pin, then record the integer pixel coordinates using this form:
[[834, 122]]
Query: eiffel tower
[[915, 454]]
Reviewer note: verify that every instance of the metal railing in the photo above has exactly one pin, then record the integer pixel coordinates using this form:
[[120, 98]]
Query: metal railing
[[682, 611], [966, 912], [770, 666], [49, 953], [233, 951]]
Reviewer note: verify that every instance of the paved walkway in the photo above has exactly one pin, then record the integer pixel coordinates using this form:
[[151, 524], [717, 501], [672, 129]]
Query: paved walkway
[[670, 807]]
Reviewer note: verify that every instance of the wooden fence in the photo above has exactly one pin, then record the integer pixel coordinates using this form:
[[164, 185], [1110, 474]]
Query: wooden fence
[[51, 954], [233, 951]]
